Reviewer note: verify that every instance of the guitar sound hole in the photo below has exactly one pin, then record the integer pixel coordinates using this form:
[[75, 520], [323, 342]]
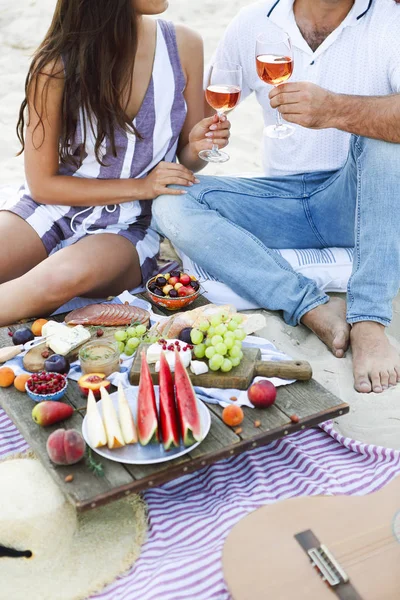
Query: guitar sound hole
[[12, 553]]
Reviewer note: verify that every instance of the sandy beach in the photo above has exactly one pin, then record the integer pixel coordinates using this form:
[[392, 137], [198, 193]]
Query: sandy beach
[[373, 418]]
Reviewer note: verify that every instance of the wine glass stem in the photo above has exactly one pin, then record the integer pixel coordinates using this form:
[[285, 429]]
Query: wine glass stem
[[279, 121], [215, 149]]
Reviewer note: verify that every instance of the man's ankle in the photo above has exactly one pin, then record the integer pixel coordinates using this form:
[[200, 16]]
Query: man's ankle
[[371, 326]]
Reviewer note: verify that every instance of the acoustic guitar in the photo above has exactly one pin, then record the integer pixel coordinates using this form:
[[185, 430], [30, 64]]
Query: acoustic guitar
[[318, 548]]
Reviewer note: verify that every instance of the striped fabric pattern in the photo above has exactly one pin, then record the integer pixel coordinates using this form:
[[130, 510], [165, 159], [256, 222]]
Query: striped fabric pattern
[[190, 518]]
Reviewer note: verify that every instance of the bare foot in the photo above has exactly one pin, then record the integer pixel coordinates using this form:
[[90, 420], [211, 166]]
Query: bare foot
[[328, 322], [376, 364]]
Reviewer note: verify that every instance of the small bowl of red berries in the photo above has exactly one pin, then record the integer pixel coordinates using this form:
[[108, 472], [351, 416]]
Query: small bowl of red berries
[[173, 290], [46, 386]]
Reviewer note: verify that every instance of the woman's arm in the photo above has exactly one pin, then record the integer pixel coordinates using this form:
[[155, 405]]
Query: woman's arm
[[42, 159], [196, 134]]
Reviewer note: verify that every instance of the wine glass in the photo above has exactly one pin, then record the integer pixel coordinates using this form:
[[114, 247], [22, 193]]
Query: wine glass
[[222, 94], [274, 62]]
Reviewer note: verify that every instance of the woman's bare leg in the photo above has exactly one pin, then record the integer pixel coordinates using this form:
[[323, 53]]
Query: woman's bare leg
[[98, 265], [21, 247]]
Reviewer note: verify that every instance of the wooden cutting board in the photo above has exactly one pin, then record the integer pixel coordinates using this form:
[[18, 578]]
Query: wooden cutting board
[[240, 377]]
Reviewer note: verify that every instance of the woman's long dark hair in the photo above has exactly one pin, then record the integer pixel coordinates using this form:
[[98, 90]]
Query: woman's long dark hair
[[95, 41]]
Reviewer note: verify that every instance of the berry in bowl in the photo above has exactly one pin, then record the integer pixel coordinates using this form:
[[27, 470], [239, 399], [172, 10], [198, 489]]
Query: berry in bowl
[[174, 290], [46, 386]]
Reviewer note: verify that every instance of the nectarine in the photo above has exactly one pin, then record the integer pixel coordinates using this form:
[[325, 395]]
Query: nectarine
[[262, 394]]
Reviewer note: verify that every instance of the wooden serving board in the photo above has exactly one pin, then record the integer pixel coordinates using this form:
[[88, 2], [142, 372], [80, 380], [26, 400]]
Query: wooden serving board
[[311, 402], [239, 378]]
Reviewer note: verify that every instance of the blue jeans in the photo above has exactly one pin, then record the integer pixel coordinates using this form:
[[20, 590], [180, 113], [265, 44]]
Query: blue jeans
[[229, 226]]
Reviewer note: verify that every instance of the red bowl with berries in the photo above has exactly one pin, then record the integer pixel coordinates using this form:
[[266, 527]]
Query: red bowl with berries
[[173, 290], [46, 386]]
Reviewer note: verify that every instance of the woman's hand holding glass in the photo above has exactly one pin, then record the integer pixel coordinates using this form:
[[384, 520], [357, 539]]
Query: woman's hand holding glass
[[209, 132]]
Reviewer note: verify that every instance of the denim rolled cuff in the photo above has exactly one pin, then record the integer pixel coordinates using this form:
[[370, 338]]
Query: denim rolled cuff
[[301, 311], [360, 319]]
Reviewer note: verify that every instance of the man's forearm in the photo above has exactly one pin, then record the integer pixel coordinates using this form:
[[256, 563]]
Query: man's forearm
[[369, 116]]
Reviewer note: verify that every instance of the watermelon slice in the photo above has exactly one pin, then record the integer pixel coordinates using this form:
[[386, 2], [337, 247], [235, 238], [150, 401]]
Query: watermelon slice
[[168, 414], [188, 411], [147, 421]]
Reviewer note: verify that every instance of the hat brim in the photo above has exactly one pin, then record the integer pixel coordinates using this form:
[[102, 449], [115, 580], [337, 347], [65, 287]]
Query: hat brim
[[105, 544]]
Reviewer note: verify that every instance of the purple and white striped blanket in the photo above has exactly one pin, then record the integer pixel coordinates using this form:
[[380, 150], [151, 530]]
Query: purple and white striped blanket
[[191, 517]]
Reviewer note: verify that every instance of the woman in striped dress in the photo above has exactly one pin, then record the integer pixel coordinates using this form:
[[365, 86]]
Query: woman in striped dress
[[113, 97]]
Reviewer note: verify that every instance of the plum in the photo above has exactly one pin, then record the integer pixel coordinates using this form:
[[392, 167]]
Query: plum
[[184, 335], [57, 364], [65, 446], [22, 336]]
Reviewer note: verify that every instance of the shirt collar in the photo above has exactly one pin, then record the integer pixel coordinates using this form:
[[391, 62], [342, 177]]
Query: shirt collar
[[281, 10]]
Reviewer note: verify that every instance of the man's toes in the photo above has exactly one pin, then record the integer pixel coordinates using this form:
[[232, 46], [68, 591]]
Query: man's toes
[[397, 369], [384, 379], [392, 378], [362, 383], [376, 383], [340, 344]]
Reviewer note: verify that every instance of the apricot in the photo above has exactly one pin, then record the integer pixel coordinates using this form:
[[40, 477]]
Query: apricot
[[20, 381], [232, 415], [37, 326], [65, 446], [7, 377]]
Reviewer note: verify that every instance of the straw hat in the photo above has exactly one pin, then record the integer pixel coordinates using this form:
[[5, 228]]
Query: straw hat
[[73, 556]]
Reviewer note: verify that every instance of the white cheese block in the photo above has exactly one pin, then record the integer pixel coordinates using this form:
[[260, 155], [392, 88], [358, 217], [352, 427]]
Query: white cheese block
[[62, 339], [154, 355], [198, 367]]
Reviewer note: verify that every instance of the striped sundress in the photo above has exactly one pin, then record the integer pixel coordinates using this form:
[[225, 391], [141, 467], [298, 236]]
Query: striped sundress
[[159, 121]]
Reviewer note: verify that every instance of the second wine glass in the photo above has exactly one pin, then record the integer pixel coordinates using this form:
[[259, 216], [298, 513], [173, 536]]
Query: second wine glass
[[222, 94], [274, 62]]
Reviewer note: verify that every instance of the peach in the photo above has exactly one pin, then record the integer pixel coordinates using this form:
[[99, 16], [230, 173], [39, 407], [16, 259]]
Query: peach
[[7, 377], [37, 326], [65, 446], [20, 381], [232, 415]]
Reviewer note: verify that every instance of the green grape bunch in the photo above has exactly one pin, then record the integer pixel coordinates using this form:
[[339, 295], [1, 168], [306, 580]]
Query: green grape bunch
[[128, 340], [219, 340]]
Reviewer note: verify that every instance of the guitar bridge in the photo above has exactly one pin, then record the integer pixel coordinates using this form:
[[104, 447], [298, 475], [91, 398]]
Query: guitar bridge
[[323, 561], [327, 566]]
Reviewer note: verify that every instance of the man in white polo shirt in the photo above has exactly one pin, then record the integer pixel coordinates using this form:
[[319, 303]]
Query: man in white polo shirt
[[323, 186]]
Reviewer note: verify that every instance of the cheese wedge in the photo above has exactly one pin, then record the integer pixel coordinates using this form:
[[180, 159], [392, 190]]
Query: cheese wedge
[[62, 339], [95, 426], [110, 420], [126, 421]]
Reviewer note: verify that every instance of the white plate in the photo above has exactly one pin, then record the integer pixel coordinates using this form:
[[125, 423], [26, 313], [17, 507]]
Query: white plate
[[135, 454]]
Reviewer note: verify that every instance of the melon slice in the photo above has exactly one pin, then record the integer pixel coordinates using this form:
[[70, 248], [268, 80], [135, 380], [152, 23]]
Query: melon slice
[[147, 419], [95, 426], [126, 421], [188, 411], [168, 413], [110, 420]]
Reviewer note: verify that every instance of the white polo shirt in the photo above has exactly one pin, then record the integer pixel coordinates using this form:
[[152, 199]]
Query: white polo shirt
[[361, 57]]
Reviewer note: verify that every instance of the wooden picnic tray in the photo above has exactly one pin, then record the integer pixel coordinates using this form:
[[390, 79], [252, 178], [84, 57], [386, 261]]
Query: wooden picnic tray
[[310, 401]]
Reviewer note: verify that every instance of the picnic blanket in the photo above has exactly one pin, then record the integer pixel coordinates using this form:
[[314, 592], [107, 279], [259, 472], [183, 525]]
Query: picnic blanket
[[189, 518]]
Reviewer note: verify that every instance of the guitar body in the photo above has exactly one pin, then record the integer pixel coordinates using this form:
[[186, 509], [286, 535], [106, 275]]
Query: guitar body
[[263, 560]]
